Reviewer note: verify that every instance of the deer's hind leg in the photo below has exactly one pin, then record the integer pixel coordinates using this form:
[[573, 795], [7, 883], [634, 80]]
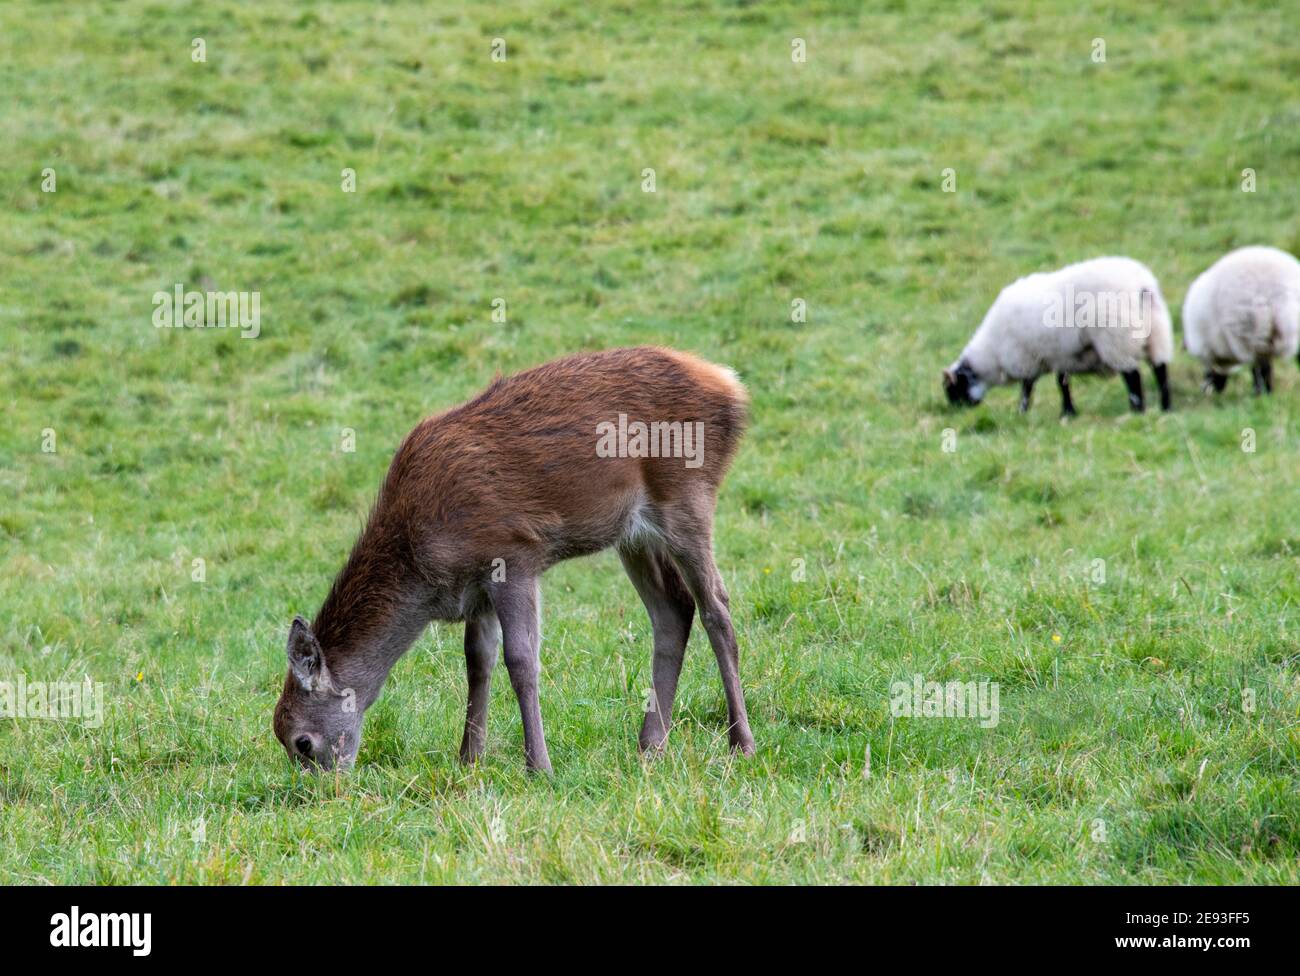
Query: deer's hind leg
[[671, 609], [688, 536]]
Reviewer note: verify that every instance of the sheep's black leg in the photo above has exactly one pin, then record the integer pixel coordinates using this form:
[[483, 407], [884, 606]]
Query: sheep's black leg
[[1026, 391], [1262, 371], [1133, 380], [1215, 381], [1067, 405], [1161, 371]]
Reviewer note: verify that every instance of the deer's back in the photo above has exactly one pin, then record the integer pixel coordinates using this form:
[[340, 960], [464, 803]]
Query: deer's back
[[520, 469]]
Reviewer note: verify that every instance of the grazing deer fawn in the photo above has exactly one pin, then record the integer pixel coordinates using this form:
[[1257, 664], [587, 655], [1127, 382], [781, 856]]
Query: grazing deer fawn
[[625, 448]]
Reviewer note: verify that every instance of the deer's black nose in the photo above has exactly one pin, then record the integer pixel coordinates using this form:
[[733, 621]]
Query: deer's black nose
[[303, 745]]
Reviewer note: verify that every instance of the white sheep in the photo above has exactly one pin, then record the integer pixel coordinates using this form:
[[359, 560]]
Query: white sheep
[[1101, 316], [1244, 309]]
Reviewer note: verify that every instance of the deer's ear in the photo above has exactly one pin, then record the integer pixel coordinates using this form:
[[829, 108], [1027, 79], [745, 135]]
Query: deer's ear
[[305, 659]]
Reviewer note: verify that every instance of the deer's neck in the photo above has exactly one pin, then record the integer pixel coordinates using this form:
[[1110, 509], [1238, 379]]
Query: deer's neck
[[376, 608]]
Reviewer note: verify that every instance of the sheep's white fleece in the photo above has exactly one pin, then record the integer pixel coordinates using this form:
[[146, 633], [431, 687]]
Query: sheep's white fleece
[[1245, 307], [1067, 321]]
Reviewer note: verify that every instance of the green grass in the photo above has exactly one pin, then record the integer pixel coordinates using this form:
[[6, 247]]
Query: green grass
[[522, 180]]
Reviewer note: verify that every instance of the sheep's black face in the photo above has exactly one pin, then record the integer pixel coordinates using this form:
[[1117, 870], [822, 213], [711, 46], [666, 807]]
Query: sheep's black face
[[962, 386]]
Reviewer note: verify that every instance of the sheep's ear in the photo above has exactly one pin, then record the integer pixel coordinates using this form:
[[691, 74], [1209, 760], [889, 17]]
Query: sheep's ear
[[306, 662], [948, 378]]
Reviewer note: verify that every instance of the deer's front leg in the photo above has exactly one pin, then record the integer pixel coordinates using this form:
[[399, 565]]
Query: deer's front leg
[[518, 607], [482, 635]]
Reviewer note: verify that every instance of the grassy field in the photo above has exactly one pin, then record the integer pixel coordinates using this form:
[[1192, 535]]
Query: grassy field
[[1129, 582]]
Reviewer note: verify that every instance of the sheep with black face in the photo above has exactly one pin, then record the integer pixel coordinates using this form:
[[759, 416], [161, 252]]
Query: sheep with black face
[[1100, 316]]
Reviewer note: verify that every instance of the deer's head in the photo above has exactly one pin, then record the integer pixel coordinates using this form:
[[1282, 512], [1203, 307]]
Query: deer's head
[[318, 723]]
